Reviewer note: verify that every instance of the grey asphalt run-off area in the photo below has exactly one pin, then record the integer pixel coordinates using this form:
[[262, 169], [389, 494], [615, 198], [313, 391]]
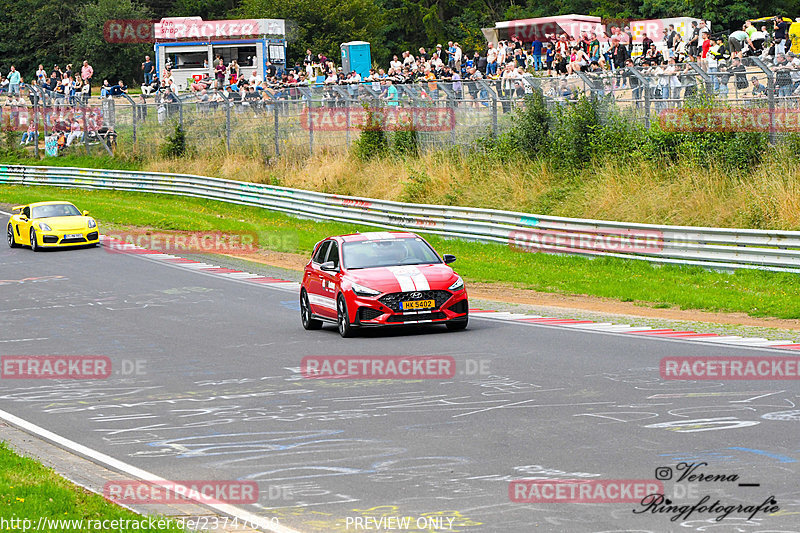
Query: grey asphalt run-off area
[[206, 385]]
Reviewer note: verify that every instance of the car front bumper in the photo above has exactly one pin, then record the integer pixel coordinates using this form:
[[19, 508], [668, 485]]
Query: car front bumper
[[57, 238]]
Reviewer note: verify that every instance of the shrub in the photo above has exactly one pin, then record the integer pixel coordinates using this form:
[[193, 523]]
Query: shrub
[[372, 142], [405, 140], [175, 145]]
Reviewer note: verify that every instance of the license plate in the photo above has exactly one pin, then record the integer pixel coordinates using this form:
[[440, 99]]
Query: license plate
[[73, 235], [418, 304]]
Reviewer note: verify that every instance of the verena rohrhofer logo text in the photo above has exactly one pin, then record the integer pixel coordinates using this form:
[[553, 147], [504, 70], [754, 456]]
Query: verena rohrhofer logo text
[[378, 367], [730, 368], [582, 490]]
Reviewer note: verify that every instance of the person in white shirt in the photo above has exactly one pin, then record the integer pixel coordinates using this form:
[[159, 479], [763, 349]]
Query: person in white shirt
[[254, 79], [457, 57], [396, 64], [491, 60]]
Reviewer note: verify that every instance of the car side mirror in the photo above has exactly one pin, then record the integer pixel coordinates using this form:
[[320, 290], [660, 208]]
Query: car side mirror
[[86, 213], [449, 258], [328, 266]]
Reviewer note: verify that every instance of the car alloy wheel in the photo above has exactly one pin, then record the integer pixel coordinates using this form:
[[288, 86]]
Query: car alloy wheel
[[34, 244], [342, 320]]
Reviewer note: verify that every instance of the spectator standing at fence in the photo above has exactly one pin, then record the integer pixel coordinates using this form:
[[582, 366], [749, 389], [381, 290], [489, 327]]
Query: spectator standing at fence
[[491, 60], [536, 53], [392, 99], [780, 27], [705, 48], [148, 68], [694, 40], [14, 80], [219, 73], [87, 72], [41, 73], [458, 57]]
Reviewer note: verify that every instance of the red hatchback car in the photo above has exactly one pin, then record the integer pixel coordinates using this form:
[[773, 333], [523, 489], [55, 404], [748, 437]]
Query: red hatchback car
[[381, 279]]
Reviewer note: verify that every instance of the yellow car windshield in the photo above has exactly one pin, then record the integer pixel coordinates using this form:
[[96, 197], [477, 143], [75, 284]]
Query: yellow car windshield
[[55, 210]]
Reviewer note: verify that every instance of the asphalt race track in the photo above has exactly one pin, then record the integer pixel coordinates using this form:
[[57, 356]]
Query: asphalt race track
[[218, 395]]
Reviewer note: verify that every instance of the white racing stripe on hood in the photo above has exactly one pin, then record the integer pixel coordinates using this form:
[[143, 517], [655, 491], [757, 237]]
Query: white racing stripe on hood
[[378, 235], [410, 278]]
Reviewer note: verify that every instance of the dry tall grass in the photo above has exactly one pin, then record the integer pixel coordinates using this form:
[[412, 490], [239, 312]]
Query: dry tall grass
[[681, 193]]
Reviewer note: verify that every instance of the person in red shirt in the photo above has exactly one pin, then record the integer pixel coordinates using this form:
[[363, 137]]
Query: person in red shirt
[[706, 46]]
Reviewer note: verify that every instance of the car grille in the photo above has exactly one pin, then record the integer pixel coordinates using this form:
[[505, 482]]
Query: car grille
[[92, 236], [78, 239], [438, 315], [49, 239], [393, 299], [365, 313]]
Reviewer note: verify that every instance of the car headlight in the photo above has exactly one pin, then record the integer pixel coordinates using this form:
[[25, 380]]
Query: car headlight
[[44, 226], [364, 291], [92, 223], [458, 285]]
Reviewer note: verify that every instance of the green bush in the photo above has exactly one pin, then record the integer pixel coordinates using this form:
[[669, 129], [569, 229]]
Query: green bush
[[372, 142], [405, 140], [175, 145]]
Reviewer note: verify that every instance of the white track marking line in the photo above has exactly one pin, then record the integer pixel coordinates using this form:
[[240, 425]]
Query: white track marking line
[[116, 464]]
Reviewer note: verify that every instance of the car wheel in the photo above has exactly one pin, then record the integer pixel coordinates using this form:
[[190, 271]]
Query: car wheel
[[342, 320], [10, 237], [458, 324], [34, 245], [305, 313]]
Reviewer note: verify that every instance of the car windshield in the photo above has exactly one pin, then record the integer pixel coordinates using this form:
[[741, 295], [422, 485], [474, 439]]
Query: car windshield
[[55, 210], [388, 252]]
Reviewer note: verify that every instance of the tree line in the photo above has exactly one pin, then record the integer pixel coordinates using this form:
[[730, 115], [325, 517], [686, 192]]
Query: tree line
[[51, 32]]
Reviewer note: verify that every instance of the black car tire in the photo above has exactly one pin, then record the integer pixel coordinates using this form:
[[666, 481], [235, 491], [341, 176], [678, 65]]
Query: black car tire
[[12, 243], [457, 324], [305, 313]]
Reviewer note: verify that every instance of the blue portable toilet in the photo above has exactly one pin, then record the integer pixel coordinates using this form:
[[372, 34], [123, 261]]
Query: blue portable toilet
[[356, 56]]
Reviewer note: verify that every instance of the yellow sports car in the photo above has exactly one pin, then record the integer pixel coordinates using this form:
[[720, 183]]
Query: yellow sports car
[[51, 225]]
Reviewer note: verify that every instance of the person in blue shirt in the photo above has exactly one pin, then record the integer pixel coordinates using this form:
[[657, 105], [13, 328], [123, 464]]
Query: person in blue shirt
[[550, 55], [14, 79], [536, 52]]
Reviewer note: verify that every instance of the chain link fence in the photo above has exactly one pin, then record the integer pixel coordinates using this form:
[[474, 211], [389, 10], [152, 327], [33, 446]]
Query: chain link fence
[[302, 120]]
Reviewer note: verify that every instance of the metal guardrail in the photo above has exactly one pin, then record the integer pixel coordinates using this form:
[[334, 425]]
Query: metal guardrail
[[717, 248]]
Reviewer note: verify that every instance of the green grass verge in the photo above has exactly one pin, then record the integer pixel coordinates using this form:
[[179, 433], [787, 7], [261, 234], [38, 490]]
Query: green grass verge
[[757, 293], [31, 492], [71, 160]]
